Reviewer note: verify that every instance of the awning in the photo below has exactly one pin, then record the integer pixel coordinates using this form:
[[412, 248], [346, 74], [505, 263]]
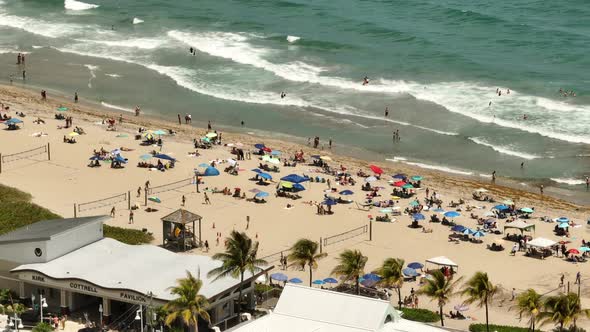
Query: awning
[[541, 242], [520, 225], [442, 260]]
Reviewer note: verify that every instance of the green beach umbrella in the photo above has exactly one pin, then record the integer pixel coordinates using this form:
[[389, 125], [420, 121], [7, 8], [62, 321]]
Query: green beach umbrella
[[286, 184], [527, 210], [159, 132], [155, 199], [414, 203], [417, 178], [122, 135], [408, 186], [62, 109]]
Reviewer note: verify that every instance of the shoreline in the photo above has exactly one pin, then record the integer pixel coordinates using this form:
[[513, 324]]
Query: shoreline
[[502, 189]]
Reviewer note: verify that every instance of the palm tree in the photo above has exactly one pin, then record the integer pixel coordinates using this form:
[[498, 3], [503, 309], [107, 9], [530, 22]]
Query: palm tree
[[189, 305], [439, 288], [479, 289], [351, 266], [391, 274], [563, 309], [239, 257], [529, 303], [305, 252]]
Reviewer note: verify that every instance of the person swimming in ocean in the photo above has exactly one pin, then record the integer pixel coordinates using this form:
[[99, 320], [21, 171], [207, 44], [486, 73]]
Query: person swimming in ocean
[[283, 94], [366, 80], [524, 117], [490, 104], [191, 50]]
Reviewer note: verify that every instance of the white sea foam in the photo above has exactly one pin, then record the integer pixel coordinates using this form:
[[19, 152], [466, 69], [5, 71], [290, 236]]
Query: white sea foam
[[37, 47], [40, 27], [568, 181], [292, 39], [141, 43], [503, 149], [116, 107], [113, 75], [92, 70], [432, 167], [137, 20], [396, 159], [78, 5]]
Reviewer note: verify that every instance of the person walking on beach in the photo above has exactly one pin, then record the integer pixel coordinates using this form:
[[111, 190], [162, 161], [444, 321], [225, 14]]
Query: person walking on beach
[[330, 143], [131, 221], [183, 200], [494, 177], [247, 222], [75, 97], [513, 294], [120, 119], [139, 191], [207, 200], [541, 189], [137, 110], [179, 121], [578, 278], [19, 59], [561, 280], [147, 185], [208, 125], [113, 212]]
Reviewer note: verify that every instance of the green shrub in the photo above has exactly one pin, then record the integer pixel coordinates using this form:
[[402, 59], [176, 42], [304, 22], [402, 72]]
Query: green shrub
[[126, 235], [261, 288], [421, 315], [16, 210], [43, 327], [497, 328]]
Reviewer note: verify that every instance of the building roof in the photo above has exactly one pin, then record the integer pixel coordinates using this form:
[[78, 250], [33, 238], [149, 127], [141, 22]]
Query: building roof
[[46, 229], [306, 309], [181, 216], [110, 264]]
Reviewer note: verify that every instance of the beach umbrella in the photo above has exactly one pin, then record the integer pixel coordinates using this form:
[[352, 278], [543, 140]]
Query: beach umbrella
[[279, 277], [315, 156], [452, 214], [295, 281], [330, 202], [399, 183], [563, 225], [574, 251], [372, 276], [205, 139], [563, 219], [370, 179], [164, 156], [368, 283], [418, 216], [275, 153], [116, 151], [346, 192], [62, 109], [13, 121], [73, 133], [527, 210], [160, 132], [318, 282], [489, 214], [95, 158], [400, 176], [408, 186], [330, 281], [232, 162], [120, 159], [461, 307], [439, 210], [266, 149], [146, 156], [376, 169], [298, 187], [254, 190], [155, 199], [286, 184], [262, 194], [489, 221], [211, 171], [415, 265], [259, 146], [584, 249], [211, 135], [416, 178], [468, 231], [458, 228], [501, 207], [409, 272], [255, 170], [479, 234], [265, 176], [414, 203], [295, 178]]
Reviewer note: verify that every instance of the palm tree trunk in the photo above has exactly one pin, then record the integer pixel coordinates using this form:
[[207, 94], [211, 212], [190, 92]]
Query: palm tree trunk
[[358, 287], [533, 323], [399, 297], [196, 324], [487, 319], [310, 275], [240, 294], [440, 310]]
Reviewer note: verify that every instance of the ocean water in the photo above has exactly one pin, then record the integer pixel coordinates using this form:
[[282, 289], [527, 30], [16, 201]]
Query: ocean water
[[435, 64]]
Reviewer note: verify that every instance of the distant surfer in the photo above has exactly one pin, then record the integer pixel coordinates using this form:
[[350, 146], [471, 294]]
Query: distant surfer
[[490, 104], [386, 112], [522, 165], [508, 91], [365, 80], [524, 117], [283, 94], [191, 50]]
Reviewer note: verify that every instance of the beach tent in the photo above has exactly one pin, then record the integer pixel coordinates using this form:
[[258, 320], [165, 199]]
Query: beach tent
[[541, 242], [211, 171], [164, 156], [520, 225], [442, 261], [294, 178]]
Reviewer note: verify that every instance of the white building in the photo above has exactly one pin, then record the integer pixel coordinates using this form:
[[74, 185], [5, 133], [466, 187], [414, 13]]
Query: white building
[[306, 309], [69, 262]]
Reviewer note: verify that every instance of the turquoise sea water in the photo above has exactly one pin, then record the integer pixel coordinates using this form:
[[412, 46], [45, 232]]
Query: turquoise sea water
[[435, 64]]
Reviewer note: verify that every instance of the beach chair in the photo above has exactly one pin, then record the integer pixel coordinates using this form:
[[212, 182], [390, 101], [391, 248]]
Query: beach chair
[[363, 206]]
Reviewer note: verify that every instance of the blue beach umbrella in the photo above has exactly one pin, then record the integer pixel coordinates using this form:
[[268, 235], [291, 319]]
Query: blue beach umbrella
[[120, 159], [527, 210], [563, 225], [413, 203], [479, 234], [371, 276], [159, 132], [204, 165], [275, 153], [94, 158], [418, 216], [13, 121], [452, 214], [501, 207], [468, 231], [262, 194], [279, 277], [298, 187], [295, 281], [346, 192], [584, 249], [211, 171], [439, 210], [256, 170], [563, 219], [458, 228], [415, 265], [155, 199], [330, 281], [318, 282], [294, 178], [400, 176], [259, 146], [265, 176], [164, 156], [409, 272], [329, 202], [146, 156]]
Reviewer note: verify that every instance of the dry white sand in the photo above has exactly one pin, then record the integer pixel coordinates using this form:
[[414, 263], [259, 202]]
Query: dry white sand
[[65, 180]]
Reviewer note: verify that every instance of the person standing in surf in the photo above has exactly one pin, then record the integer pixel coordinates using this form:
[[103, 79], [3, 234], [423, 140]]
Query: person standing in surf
[[386, 112]]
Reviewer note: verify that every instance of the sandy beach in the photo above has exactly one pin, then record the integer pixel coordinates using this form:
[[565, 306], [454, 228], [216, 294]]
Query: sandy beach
[[66, 180]]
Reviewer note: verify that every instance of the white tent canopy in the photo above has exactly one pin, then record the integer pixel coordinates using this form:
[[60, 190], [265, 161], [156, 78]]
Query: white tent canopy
[[541, 242], [442, 260]]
